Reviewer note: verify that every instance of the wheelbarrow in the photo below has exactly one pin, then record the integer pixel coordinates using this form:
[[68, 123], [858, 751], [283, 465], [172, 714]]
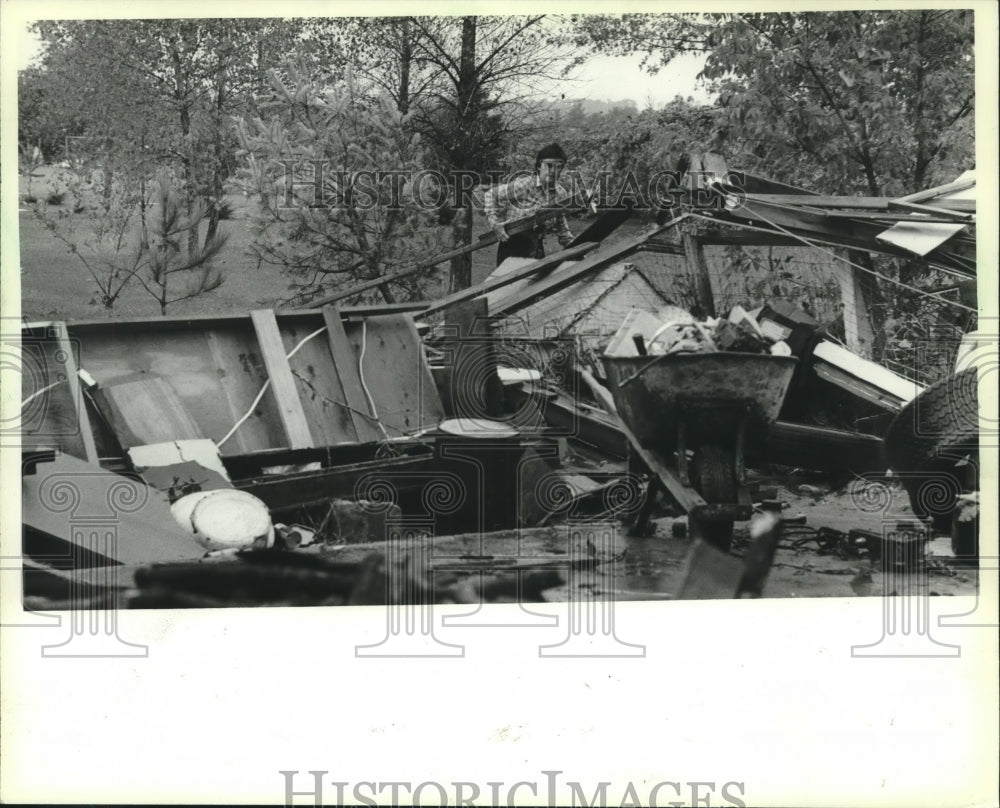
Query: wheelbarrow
[[703, 404]]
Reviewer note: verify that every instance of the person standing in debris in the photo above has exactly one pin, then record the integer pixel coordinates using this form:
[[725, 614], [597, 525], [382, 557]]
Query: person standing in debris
[[524, 196]]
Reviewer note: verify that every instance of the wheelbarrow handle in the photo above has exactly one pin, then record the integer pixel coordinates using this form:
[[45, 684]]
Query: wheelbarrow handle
[[629, 379]]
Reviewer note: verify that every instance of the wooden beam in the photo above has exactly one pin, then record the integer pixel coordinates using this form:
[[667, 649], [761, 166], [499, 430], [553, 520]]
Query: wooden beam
[[698, 269], [345, 363], [604, 225], [527, 223], [929, 212], [272, 350], [547, 263], [686, 496], [856, 202], [932, 193], [812, 225], [562, 279], [892, 217], [657, 246], [485, 240], [82, 417], [206, 321]]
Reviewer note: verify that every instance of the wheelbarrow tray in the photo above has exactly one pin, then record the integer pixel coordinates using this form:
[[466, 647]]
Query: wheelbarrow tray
[[711, 392]]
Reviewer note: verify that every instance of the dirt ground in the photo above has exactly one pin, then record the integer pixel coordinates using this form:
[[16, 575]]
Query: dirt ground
[[653, 567], [801, 571]]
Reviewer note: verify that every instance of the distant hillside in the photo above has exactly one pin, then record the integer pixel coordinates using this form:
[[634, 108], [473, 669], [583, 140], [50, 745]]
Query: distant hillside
[[590, 106]]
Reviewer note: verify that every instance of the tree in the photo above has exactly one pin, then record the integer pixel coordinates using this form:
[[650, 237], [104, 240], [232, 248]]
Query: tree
[[486, 74], [869, 102], [116, 252], [163, 257], [325, 215], [152, 93], [860, 101]]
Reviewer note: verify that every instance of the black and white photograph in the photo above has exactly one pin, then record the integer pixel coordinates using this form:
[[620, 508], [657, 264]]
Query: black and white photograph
[[511, 326]]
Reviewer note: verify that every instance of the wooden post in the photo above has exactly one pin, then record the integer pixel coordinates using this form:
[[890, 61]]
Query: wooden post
[[83, 418], [272, 349], [694, 252], [858, 332]]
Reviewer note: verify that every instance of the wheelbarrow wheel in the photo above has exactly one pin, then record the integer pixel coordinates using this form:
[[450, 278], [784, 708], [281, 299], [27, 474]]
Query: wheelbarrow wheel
[[715, 479]]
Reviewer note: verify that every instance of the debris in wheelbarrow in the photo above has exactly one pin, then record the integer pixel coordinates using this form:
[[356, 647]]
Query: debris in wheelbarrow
[[701, 403], [681, 333]]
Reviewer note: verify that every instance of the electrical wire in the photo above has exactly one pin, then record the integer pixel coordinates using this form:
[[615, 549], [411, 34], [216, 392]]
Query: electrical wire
[[364, 386], [263, 389], [37, 393]]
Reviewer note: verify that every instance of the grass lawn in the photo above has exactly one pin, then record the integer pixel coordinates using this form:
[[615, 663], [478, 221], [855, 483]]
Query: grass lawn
[[56, 285]]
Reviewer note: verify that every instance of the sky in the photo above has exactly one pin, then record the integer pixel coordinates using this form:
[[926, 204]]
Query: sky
[[612, 78]]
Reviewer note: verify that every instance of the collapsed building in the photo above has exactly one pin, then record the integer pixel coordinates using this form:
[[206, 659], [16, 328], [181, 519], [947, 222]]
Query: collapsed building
[[307, 456]]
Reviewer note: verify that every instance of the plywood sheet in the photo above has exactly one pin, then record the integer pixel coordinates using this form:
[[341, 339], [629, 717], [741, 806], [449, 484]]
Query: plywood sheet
[[216, 370], [396, 374], [147, 410]]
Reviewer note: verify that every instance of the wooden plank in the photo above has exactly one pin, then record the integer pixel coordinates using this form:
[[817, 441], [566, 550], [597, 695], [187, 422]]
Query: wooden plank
[[686, 496], [486, 239], [858, 203], [528, 223], [282, 382], [872, 373], [698, 269], [345, 362], [859, 333], [604, 225], [83, 418], [543, 264], [320, 391], [892, 217], [747, 237], [660, 247], [206, 321], [812, 225], [569, 275], [961, 184], [288, 492]]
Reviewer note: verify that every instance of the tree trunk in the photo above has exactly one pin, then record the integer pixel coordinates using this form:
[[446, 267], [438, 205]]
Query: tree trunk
[[218, 156], [461, 265], [467, 91], [405, 60]]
